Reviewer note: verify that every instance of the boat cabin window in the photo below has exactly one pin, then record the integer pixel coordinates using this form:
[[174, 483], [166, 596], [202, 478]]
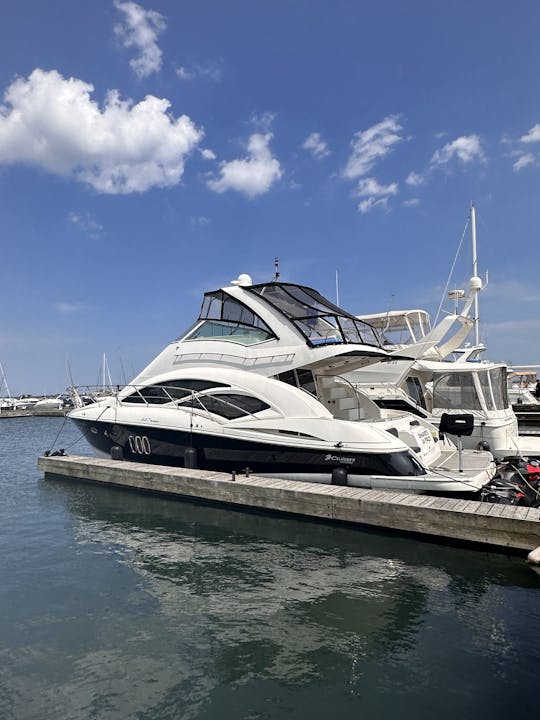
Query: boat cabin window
[[485, 386], [230, 406], [320, 321], [301, 378], [415, 391], [466, 354], [225, 318], [455, 391], [499, 385], [169, 391]]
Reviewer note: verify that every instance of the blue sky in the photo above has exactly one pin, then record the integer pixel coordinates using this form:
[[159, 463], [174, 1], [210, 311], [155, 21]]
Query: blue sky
[[152, 151]]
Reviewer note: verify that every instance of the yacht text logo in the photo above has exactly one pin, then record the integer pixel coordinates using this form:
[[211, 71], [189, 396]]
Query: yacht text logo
[[338, 458]]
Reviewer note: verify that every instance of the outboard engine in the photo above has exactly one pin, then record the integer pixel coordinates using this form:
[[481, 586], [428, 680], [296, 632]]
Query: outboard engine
[[517, 482]]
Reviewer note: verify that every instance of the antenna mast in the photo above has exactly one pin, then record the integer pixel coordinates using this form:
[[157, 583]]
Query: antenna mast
[[475, 274], [276, 269]]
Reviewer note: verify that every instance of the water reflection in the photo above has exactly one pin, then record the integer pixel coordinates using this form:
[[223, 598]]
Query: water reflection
[[260, 599]]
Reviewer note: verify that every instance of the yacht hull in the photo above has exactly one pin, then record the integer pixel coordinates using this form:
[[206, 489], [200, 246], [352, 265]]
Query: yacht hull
[[223, 453]]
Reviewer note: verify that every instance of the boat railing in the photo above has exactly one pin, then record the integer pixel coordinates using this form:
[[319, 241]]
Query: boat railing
[[189, 398]]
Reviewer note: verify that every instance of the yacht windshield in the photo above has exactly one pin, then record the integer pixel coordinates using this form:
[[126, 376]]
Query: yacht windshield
[[320, 321], [225, 318], [459, 390], [455, 391]]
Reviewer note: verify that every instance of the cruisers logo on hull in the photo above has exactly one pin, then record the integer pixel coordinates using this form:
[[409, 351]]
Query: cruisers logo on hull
[[340, 459]]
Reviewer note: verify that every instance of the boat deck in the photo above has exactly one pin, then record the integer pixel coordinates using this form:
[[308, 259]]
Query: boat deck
[[503, 526]]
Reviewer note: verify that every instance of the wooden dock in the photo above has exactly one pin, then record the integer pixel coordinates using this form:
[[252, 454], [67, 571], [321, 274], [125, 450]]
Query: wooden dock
[[503, 526]]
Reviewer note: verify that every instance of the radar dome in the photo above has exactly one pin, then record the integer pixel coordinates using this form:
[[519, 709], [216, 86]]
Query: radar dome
[[244, 280]]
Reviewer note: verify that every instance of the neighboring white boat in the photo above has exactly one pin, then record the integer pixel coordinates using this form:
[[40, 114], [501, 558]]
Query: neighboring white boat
[[522, 384], [256, 383], [432, 388], [49, 403]]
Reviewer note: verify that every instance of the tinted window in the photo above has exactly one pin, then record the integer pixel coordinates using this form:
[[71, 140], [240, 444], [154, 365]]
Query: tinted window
[[414, 389], [170, 390], [233, 332], [288, 377], [229, 406], [301, 378], [220, 306], [306, 381], [319, 320]]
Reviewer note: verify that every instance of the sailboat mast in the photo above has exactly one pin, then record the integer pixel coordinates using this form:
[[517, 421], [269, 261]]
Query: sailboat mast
[[4, 381], [475, 274]]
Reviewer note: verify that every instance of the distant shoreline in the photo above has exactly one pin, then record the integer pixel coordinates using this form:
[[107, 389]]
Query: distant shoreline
[[52, 412]]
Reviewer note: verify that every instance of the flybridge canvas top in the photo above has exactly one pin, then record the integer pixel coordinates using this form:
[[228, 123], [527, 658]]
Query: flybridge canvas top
[[399, 327], [318, 320]]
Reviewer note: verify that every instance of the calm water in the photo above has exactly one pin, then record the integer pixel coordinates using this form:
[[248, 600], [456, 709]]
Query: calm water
[[116, 605]]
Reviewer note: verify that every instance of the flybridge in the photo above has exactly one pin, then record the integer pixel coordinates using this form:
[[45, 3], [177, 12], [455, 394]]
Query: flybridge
[[231, 316]]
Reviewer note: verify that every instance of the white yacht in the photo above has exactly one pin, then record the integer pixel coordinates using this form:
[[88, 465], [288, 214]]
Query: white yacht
[[446, 377], [256, 384]]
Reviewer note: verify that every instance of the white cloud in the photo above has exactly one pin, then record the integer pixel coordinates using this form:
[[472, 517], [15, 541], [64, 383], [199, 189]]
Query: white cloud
[[253, 175], [262, 123], [523, 161], [87, 224], [414, 179], [517, 327], [210, 71], [316, 145], [201, 220], [52, 123], [208, 154], [67, 308], [371, 145], [140, 30], [532, 136], [370, 186], [514, 290], [375, 195], [412, 202], [184, 74], [465, 149]]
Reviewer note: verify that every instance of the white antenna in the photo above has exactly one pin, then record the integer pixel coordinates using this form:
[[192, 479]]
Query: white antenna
[[475, 274], [337, 289]]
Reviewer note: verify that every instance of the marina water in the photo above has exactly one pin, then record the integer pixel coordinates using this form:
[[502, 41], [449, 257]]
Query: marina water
[[120, 605]]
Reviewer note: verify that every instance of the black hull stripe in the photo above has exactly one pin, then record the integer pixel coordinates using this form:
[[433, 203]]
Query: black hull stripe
[[161, 446]]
